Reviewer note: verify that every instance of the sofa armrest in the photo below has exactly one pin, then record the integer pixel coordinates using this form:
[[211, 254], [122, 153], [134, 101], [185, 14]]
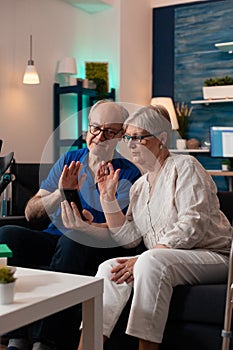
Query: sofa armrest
[[14, 220], [22, 221]]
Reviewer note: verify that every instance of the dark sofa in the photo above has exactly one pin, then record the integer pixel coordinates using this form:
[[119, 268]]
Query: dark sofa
[[196, 315], [196, 312]]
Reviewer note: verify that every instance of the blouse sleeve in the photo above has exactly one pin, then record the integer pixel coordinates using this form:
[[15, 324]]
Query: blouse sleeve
[[128, 235], [194, 202]]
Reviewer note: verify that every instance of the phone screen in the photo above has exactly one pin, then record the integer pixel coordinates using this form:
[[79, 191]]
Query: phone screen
[[72, 195]]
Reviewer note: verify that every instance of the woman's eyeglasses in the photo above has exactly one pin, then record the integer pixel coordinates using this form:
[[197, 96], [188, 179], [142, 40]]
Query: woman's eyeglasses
[[107, 133], [135, 138]]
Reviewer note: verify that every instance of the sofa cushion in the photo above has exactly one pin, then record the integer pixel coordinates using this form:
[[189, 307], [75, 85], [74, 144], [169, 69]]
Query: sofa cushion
[[192, 336], [199, 303]]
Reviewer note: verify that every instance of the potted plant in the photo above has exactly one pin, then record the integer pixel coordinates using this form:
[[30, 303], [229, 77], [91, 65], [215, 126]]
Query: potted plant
[[226, 164], [7, 284], [218, 88], [183, 113]]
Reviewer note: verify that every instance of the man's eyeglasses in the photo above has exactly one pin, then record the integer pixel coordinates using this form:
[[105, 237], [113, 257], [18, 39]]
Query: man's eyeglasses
[[107, 133], [136, 138]]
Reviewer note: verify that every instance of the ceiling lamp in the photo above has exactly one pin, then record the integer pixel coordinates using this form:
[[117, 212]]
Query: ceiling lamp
[[31, 76]]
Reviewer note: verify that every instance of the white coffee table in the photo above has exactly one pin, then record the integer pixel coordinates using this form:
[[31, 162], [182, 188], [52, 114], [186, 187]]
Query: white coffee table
[[41, 293]]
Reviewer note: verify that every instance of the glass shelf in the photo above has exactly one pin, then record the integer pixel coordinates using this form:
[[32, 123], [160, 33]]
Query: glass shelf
[[207, 102], [196, 150], [225, 47]]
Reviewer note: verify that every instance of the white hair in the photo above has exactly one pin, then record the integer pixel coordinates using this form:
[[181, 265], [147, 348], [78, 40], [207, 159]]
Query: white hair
[[154, 120]]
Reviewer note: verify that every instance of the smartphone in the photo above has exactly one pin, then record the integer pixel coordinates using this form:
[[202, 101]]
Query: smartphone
[[72, 195]]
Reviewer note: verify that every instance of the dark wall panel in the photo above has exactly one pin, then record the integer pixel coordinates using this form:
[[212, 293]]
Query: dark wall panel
[[163, 52]]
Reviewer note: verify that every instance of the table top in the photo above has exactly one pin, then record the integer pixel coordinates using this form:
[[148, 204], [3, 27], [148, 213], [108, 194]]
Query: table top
[[220, 173], [39, 293]]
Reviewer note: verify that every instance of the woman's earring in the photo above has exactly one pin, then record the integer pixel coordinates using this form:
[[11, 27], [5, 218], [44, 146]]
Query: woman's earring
[[161, 146]]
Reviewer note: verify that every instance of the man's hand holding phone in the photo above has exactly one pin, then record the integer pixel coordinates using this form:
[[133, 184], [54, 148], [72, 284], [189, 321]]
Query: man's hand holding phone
[[72, 195], [69, 184]]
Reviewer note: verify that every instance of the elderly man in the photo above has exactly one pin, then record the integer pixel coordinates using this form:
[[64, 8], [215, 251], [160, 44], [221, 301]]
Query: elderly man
[[59, 248]]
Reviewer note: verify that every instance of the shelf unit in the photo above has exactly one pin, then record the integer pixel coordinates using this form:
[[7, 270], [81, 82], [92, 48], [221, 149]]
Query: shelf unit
[[78, 89], [196, 150], [207, 102], [225, 47], [228, 174]]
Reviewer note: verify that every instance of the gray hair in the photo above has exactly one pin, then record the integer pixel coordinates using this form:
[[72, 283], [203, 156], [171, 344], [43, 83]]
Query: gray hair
[[153, 119], [122, 111]]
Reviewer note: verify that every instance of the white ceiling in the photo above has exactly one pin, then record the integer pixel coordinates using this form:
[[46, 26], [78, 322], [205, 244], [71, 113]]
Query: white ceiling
[[91, 6]]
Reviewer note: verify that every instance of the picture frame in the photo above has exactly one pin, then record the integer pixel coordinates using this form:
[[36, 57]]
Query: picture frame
[[98, 73]]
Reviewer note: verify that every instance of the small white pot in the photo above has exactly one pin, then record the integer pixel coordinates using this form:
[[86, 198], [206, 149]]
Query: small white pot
[[181, 144], [7, 291], [225, 167]]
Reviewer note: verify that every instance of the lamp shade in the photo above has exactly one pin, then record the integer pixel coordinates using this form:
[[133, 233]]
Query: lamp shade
[[67, 66], [167, 102], [31, 76]]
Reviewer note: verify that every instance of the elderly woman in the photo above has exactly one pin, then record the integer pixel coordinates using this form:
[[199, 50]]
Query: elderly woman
[[175, 211]]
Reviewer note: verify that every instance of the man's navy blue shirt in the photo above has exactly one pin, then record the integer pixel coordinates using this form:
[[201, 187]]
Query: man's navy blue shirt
[[89, 193]]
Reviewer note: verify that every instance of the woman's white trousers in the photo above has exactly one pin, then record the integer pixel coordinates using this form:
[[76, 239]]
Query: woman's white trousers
[[156, 272]]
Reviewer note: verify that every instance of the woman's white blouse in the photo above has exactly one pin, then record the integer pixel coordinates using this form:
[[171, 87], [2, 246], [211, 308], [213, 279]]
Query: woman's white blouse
[[183, 211]]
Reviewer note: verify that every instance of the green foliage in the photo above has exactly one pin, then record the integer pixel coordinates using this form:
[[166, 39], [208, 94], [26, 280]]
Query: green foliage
[[98, 72], [183, 112], [226, 162], [6, 275], [226, 80]]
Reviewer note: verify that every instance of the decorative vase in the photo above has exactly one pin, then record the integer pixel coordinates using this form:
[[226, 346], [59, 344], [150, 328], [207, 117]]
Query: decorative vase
[[7, 291], [193, 144]]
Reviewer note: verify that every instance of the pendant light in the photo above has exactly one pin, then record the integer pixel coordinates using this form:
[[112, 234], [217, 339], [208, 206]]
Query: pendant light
[[31, 76]]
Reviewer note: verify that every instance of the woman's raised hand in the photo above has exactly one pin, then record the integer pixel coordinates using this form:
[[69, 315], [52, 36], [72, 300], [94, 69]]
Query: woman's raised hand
[[107, 179]]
